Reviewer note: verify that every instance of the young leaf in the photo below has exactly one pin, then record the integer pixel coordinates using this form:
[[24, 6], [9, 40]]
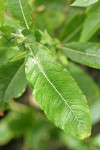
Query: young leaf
[[57, 93], [84, 3], [84, 53], [12, 81], [21, 10], [91, 24]]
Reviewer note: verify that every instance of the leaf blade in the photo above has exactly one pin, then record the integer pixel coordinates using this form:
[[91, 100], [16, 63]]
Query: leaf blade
[[9, 86], [21, 10], [83, 52], [49, 88]]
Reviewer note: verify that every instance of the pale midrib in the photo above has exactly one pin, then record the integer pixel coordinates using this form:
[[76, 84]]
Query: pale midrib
[[23, 14], [44, 74], [78, 52], [12, 81]]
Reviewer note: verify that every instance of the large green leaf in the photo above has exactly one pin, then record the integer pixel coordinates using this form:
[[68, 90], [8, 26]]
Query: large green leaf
[[85, 82], [84, 3], [57, 93], [84, 53], [12, 81], [91, 24], [21, 10]]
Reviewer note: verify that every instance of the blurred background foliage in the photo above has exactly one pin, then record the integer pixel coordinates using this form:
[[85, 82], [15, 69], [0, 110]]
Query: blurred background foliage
[[23, 126]]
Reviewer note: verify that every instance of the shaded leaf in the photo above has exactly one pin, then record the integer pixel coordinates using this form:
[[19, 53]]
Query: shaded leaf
[[12, 81]]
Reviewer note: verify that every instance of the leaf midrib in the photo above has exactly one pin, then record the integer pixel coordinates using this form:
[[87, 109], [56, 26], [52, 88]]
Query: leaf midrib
[[78, 52]]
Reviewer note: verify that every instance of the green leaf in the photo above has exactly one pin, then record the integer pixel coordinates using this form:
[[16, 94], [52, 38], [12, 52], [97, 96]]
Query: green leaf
[[57, 93], [84, 3], [84, 53], [84, 81], [91, 24], [12, 81], [21, 10]]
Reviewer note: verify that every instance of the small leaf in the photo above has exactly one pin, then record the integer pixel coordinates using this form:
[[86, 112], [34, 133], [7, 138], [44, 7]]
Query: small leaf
[[21, 10], [84, 3], [84, 53], [12, 81], [57, 93]]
